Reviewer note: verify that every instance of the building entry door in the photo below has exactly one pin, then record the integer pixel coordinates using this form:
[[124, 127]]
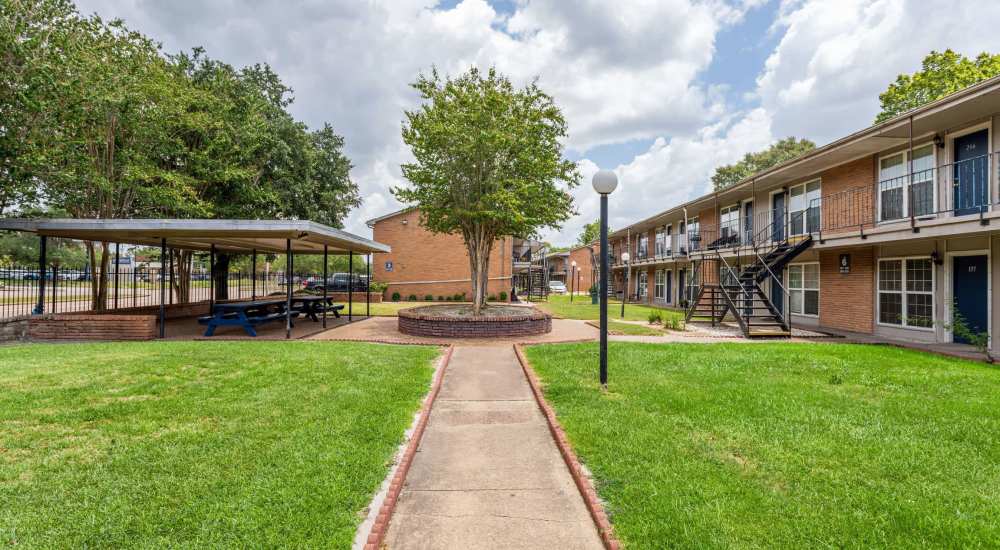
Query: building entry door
[[970, 288]]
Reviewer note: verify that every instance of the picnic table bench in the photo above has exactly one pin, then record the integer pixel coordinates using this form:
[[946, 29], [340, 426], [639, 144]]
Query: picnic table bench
[[257, 312], [245, 314]]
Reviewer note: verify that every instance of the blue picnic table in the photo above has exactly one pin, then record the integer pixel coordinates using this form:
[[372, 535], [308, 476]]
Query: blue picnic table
[[257, 312]]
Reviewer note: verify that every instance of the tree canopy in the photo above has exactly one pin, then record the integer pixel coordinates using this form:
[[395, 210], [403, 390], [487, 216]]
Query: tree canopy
[[751, 163], [488, 163], [941, 74], [591, 232], [99, 122]]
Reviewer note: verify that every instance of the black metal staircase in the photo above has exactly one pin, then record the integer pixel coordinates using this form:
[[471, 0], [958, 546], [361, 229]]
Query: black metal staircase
[[738, 292]]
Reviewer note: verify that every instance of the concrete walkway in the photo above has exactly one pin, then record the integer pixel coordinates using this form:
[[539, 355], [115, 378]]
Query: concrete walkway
[[487, 473]]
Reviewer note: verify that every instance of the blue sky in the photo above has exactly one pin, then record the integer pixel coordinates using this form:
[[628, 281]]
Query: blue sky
[[662, 91]]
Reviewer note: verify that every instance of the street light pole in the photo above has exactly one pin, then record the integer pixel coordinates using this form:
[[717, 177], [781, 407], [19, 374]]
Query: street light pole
[[625, 259], [572, 280], [604, 182]]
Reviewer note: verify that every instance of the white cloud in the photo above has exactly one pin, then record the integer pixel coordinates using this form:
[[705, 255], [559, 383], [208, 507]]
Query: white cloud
[[669, 173], [836, 56], [621, 71]]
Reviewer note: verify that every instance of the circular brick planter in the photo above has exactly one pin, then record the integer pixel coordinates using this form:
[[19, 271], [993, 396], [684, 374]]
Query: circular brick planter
[[452, 322]]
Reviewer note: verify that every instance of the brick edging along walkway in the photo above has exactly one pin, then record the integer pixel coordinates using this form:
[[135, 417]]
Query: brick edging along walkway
[[583, 484], [381, 525]]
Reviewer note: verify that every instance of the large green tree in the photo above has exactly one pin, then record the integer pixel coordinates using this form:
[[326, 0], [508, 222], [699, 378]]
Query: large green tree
[[941, 74], [751, 163], [488, 163], [591, 232]]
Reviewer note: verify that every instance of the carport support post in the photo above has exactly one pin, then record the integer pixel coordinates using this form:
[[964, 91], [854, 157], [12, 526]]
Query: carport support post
[[163, 295], [40, 306], [326, 254], [118, 253], [288, 289], [170, 258], [253, 275], [350, 284], [211, 280], [368, 286]]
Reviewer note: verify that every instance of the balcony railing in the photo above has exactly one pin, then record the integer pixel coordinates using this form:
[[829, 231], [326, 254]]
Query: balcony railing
[[957, 189]]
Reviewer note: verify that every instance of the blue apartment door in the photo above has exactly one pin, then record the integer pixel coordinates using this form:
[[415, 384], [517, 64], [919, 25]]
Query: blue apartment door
[[971, 280], [748, 223], [971, 173], [778, 217]]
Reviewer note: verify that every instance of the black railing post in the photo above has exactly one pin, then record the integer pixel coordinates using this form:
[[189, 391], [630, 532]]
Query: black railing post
[[326, 253], [42, 259], [253, 275], [350, 285], [135, 280], [163, 296], [170, 262], [288, 288]]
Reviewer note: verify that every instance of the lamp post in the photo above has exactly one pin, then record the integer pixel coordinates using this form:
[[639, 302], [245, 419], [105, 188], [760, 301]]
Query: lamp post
[[604, 182], [572, 274], [625, 259]]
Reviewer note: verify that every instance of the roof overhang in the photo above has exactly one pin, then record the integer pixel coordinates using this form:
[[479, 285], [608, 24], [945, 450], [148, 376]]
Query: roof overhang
[[305, 237]]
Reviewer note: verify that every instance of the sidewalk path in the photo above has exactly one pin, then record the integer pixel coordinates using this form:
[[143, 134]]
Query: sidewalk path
[[487, 473]]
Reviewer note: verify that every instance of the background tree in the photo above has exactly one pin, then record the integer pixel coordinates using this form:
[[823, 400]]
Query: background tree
[[591, 232], [941, 74], [489, 163], [751, 163]]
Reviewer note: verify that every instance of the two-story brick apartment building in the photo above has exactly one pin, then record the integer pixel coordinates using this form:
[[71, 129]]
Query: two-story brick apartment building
[[886, 232], [423, 263]]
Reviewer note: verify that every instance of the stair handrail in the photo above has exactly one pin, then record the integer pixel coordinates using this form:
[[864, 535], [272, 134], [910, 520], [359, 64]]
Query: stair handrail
[[785, 311], [729, 299]]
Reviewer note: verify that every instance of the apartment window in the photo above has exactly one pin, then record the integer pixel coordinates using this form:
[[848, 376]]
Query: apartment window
[[906, 292], [668, 245], [642, 246], [670, 286], [643, 284], [729, 225], [658, 285], [894, 199], [803, 212], [694, 233], [659, 242], [803, 289]]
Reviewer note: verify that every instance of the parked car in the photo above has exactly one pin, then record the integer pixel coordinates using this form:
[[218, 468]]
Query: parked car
[[557, 287], [337, 283]]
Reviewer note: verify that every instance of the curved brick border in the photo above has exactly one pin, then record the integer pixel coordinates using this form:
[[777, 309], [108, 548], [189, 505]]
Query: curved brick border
[[583, 484], [381, 526], [421, 321]]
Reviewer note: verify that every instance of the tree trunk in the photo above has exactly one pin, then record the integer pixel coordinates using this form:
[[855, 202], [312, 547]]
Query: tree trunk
[[98, 276], [182, 275], [221, 276], [478, 244]]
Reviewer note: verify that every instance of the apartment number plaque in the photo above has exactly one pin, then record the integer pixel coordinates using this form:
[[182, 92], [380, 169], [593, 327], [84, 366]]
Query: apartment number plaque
[[388, 266], [845, 263]]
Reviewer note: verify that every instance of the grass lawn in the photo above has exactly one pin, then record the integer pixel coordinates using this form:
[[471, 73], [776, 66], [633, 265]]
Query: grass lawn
[[199, 444], [784, 445], [581, 308], [628, 329]]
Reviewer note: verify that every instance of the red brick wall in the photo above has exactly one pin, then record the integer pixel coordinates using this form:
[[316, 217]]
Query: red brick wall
[[845, 300], [428, 263], [581, 256], [92, 327], [844, 210]]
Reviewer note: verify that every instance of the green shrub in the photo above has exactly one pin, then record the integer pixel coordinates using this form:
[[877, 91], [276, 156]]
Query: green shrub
[[655, 318], [395, 296], [491, 298], [429, 298], [377, 287], [676, 324], [447, 298], [440, 298], [412, 298], [459, 297], [503, 296]]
